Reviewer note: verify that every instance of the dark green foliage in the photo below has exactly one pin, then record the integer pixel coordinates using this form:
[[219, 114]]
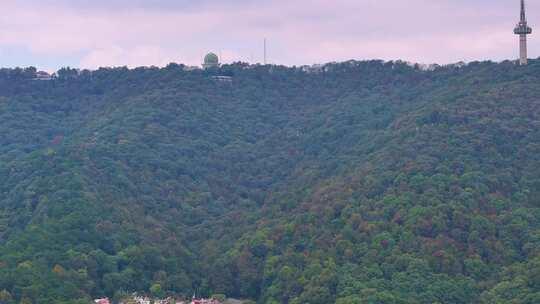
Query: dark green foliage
[[366, 182]]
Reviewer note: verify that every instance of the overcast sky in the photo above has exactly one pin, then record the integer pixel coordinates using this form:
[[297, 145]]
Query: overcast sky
[[51, 34]]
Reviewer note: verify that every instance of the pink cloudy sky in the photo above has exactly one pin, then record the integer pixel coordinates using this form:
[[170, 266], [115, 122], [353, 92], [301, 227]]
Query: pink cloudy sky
[[53, 33]]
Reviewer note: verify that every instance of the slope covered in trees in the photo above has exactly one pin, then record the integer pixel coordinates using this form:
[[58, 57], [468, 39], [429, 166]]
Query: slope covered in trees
[[363, 182]]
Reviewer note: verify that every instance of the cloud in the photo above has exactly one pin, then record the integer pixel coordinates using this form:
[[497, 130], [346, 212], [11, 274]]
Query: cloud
[[136, 32]]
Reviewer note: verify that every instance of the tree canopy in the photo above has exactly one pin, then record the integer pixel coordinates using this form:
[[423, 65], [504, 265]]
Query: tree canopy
[[357, 182]]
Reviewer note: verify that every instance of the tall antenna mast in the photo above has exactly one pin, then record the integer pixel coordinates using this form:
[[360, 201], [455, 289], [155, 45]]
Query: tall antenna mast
[[522, 29], [264, 51]]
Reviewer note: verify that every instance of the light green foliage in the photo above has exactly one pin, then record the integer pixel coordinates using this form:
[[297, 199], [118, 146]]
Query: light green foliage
[[157, 291]]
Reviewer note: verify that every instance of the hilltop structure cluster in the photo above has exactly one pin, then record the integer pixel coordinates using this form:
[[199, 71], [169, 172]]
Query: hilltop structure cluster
[[212, 61]]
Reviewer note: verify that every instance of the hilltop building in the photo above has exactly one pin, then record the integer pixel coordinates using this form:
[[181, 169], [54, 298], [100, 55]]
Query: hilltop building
[[522, 29], [211, 60], [41, 75]]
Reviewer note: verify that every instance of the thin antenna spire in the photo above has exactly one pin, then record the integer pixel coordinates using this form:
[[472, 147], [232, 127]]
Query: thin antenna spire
[[523, 17], [264, 51]]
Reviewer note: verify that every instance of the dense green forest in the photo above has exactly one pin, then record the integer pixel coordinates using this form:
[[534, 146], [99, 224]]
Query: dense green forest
[[356, 183]]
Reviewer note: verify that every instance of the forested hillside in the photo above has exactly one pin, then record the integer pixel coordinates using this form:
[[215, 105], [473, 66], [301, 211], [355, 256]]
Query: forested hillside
[[361, 182]]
